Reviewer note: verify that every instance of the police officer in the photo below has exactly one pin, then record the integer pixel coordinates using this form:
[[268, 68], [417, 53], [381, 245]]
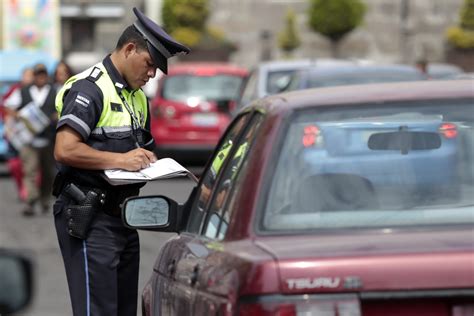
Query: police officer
[[103, 124]]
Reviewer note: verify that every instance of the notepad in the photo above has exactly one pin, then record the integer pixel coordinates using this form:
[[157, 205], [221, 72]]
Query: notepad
[[161, 169]]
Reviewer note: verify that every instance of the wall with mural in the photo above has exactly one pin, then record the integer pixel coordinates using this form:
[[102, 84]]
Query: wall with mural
[[31, 25]]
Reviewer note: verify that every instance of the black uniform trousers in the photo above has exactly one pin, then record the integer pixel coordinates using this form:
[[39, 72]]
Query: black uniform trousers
[[102, 270]]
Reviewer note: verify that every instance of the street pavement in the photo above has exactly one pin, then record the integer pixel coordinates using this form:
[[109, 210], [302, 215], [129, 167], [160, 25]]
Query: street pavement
[[36, 237]]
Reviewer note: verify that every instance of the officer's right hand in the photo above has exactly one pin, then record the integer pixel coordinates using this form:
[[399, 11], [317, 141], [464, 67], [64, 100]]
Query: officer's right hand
[[138, 159]]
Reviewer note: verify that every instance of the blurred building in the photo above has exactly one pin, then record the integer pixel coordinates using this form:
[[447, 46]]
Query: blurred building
[[393, 31], [90, 28]]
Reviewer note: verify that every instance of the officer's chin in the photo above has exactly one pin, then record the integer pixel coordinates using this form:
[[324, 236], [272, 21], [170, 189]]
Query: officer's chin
[[137, 84]]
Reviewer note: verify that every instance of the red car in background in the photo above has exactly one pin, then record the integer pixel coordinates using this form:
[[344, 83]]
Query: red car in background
[[192, 108]]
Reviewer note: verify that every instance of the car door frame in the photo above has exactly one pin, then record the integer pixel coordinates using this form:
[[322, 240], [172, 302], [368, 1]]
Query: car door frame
[[179, 259]]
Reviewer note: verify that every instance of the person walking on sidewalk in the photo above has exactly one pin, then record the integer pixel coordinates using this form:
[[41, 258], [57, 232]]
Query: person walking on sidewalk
[[36, 154]]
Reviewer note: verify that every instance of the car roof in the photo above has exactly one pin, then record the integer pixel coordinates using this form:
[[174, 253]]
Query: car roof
[[363, 68], [277, 65], [206, 68], [368, 93]]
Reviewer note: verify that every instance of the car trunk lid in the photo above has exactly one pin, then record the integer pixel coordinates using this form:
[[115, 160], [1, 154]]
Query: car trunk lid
[[385, 274], [367, 262]]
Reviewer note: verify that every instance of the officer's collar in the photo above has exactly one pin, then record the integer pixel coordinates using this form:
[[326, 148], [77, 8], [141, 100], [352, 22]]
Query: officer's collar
[[117, 79]]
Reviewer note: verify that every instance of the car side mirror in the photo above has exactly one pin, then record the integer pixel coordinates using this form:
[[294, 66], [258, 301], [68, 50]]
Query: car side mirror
[[16, 282], [150, 213]]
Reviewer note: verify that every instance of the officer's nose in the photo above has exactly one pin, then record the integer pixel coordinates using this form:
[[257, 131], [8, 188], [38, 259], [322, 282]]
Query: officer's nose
[[151, 72]]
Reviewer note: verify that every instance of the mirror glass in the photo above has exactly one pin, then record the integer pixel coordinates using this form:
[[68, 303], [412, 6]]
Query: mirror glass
[[14, 284], [146, 212]]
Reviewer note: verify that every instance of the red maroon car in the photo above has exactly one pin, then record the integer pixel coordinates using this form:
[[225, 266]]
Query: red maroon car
[[192, 107], [256, 237]]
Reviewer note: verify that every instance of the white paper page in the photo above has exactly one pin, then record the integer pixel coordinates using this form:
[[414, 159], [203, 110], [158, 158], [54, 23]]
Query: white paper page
[[163, 167], [123, 174]]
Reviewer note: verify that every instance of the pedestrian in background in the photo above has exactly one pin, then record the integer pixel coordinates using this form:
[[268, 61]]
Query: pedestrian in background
[[104, 123], [61, 74], [36, 154], [14, 163], [422, 66]]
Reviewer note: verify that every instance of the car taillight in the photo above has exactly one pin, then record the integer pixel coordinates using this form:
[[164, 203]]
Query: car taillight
[[312, 136], [448, 130], [324, 305]]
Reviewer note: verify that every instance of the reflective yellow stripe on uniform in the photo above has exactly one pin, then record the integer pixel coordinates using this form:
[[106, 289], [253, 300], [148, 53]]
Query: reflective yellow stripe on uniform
[[219, 160]]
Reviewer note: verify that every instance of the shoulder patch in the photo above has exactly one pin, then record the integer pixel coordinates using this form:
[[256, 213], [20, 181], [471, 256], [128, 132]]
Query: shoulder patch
[[95, 74], [82, 100]]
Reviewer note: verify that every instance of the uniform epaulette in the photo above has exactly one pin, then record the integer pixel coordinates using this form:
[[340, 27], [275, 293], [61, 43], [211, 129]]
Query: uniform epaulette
[[95, 74]]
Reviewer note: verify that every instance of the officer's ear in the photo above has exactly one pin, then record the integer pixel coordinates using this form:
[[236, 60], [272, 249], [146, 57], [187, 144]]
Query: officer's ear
[[129, 49]]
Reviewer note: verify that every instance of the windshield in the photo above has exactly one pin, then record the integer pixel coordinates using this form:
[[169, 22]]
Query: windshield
[[375, 166], [210, 88]]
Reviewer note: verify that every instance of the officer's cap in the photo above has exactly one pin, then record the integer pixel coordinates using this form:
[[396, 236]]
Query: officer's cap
[[160, 44]]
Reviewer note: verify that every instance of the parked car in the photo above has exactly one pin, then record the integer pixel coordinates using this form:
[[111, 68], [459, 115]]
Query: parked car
[[329, 76], [192, 107], [248, 244], [272, 77], [443, 71]]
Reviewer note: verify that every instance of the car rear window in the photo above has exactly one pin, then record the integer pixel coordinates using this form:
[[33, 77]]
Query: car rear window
[[209, 88], [374, 166]]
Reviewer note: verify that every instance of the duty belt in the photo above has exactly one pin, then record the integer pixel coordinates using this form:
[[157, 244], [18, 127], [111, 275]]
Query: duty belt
[[111, 200]]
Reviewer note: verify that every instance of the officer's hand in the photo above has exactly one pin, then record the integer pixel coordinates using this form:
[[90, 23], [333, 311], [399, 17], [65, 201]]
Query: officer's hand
[[138, 159]]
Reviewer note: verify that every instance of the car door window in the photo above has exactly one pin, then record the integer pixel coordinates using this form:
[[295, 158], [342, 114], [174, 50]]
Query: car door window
[[219, 216], [213, 171]]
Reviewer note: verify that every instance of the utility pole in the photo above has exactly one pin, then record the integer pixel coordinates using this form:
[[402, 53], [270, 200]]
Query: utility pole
[[405, 31], [153, 10]]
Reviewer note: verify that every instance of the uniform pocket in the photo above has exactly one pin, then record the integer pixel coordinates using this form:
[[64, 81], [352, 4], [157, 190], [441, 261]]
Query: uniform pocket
[[118, 139], [118, 133]]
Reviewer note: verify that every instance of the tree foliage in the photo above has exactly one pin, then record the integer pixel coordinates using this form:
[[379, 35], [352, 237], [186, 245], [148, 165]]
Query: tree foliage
[[335, 18], [186, 21], [191, 14], [467, 15], [462, 36], [288, 39]]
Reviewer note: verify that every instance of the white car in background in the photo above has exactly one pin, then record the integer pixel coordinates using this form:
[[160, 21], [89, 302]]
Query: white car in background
[[272, 77]]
